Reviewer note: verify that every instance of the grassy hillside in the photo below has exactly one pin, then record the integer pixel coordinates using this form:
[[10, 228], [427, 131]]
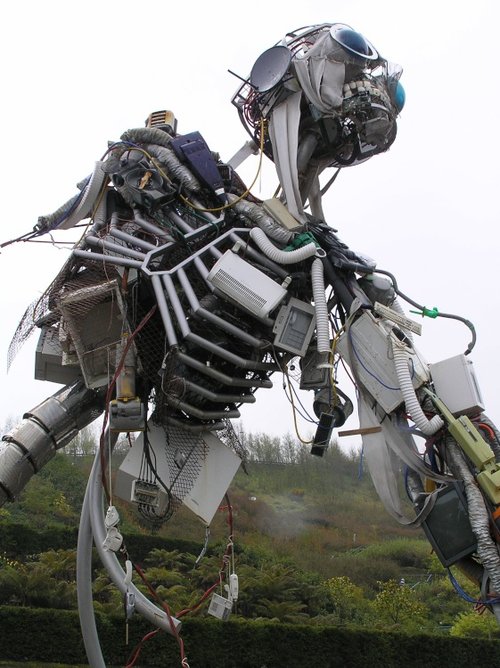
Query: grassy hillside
[[312, 543]]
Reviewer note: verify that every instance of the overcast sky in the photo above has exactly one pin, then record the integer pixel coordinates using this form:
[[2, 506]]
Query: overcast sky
[[76, 75]]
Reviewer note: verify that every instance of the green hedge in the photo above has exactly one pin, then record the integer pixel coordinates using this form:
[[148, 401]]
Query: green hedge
[[54, 636], [17, 540]]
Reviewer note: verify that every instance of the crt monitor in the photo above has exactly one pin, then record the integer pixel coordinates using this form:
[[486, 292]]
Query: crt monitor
[[447, 526]]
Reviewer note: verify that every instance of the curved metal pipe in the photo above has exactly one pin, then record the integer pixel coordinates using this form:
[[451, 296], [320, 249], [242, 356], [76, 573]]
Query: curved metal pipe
[[47, 427], [145, 607]]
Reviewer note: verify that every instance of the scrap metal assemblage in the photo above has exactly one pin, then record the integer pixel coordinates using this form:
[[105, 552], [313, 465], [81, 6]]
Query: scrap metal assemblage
[[186, 293]]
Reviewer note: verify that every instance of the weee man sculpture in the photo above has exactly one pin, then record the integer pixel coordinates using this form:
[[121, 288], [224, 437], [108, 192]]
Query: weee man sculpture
[[186, 293]]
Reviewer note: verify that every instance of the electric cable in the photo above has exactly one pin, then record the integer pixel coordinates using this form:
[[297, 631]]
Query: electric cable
[[247, 191], [470, 599], [137, 650], [368, 371], [431, 313], [227, 556], [111, 386], [294, 414], [168, 612], [329, 183], [305, 414], [186, 200], [145, 607]]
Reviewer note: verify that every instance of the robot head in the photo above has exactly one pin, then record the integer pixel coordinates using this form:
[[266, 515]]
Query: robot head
[[331, 87]]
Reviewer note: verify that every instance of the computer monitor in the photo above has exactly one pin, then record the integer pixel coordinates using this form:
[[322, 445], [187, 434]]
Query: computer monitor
[[448, 527]]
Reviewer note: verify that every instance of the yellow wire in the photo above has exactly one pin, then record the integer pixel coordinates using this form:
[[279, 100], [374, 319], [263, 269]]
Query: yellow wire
[[226, 206], [294, 411], [247, 191]]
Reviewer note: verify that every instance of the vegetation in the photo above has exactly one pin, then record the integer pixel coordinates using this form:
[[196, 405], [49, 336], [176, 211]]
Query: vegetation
[[54, 635], [312, 546]]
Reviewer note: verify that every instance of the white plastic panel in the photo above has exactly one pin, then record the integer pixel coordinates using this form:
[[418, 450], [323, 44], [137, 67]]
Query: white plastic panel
[[217, 471], [456, 385]]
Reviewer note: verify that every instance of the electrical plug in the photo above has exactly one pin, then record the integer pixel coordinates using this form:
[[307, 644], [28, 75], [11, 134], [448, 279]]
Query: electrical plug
[[112, 517], [233, 587], [113, 540], [129, 604]]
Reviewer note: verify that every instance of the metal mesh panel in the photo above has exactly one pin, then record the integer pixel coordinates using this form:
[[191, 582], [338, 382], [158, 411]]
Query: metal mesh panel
[[46, 309], [94, 319]]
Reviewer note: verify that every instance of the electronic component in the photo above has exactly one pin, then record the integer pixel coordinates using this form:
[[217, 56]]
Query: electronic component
[[280, 214], [112, 517], [456, 385], [220, 607], [367, 346], [50, 359], [294, 326], [148, 494], [126, 416], [323, 434], [164, 119], [94, 320], [113, 540], [193, 150], [237, 280], [465, 434], [313, 375], [447, 526], [203, 486], [233, 587], [398, 318]]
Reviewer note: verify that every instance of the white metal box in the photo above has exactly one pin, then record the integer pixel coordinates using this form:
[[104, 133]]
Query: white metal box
[[220, 607], [245, 285], [456, 385], [49, 359]]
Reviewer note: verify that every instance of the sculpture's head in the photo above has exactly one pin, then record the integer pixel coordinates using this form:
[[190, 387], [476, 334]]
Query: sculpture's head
[[326, 94], [329, 82]]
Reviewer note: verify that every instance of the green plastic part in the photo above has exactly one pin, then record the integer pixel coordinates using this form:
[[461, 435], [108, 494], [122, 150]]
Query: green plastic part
[[429, 312], [475, 447], [302, 240]]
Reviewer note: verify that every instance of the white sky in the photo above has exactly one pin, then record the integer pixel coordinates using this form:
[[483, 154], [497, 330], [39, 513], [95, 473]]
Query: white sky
[[76, 75]]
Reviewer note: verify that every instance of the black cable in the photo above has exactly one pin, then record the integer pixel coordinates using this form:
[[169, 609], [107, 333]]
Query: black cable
[[435, 314]]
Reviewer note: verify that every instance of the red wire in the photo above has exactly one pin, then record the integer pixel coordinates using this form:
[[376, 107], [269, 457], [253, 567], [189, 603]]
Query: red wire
[[173, 628], [228, 551], [137, 650], [487, 429]]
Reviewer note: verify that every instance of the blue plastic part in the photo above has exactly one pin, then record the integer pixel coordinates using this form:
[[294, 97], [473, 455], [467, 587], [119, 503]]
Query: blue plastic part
[[193, 150], [399, 96]]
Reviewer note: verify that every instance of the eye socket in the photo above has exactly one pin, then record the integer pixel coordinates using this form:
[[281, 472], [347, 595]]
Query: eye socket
[[353, 42]]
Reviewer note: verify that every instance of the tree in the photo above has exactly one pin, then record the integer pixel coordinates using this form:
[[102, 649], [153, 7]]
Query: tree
[[347, 598], [397, 605], [475, 625], [284, 611], [84, 443], [47, 581]]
